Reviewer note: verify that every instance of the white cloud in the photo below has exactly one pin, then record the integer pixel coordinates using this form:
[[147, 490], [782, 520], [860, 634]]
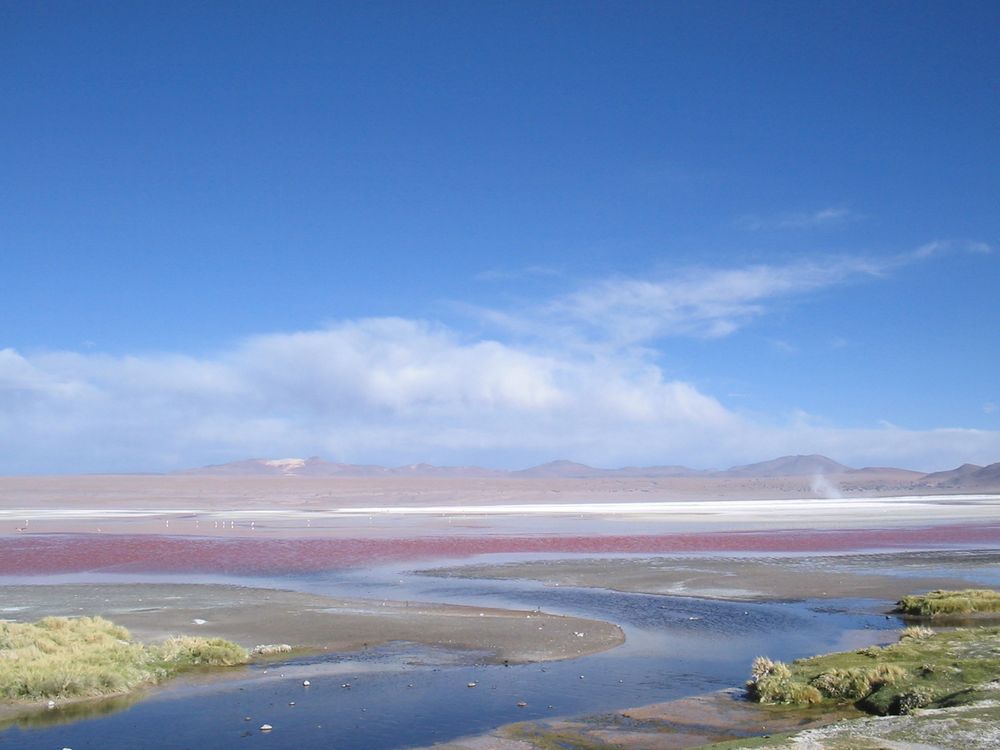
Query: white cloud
[[401, 391], [946, 247], [498, 274], [372, 389], [706, 303], [699, 302], [575, 378], [824, 217]]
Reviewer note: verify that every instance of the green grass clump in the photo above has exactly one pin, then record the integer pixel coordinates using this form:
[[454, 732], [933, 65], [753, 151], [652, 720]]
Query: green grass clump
[[86, 657], [771, 682], [922, 669], [188, 651], [856, 683], [964, 602]]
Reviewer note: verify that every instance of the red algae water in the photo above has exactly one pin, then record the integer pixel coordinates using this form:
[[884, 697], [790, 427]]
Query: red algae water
[[47, 554]]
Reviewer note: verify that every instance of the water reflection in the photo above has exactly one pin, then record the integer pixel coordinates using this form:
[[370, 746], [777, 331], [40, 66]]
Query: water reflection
[[68, 713]]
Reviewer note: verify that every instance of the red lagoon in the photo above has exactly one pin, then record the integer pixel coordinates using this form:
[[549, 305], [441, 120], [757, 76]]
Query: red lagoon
[[47, 554]]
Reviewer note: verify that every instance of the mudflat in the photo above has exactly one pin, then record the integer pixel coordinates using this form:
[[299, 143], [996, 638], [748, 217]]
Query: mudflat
[[253, 616], [887, 576]]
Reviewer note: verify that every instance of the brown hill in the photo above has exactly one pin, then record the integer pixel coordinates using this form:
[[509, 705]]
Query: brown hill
[[966, 477], [885, 473], [561, 469], [952, 475], [787, 466]]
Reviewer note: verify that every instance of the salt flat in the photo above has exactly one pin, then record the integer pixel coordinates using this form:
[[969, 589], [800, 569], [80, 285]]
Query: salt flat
[[284, 515]]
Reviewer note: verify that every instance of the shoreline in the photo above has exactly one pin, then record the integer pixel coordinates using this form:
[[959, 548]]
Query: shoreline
[[251, 616], [795, 577]]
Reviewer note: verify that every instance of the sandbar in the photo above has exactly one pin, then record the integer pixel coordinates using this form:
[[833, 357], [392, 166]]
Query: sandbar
[[885, 576], [252, 616]]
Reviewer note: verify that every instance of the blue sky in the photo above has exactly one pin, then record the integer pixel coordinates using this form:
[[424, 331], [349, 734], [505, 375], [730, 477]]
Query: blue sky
[[498, 233]]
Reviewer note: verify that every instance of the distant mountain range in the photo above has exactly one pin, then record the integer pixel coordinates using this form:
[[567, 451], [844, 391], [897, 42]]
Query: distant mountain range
[[317, 467], [967, 476]]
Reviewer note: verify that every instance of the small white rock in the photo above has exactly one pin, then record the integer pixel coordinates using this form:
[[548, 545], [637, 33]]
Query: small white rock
[[305, 683], [266, 727]]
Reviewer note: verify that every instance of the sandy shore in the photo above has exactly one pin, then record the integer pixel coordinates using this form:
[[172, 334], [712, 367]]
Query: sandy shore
[[252, 616], [673, 725]]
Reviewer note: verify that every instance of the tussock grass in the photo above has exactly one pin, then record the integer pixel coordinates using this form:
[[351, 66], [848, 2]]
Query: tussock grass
[[916, 633], [81, 657], [188, 651], [856, 683], [923, 669], [771, 682], [941, 602], [764, 667]]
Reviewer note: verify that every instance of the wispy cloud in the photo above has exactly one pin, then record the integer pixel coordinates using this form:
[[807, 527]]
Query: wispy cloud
[[704, 303], [946, 247], [498, 274], [825, 217], [780, 345], [699, 302]]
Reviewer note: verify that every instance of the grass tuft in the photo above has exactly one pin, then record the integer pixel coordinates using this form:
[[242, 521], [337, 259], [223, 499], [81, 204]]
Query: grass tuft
[[857, 683], [199, 652], [764, 667], [922, 669], [940, 602], [915, 632], [771, 682], [86, 657]]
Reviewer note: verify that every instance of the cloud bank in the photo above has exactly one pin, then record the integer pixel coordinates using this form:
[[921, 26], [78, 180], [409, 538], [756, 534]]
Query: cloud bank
[[373, 389], [584, 385]]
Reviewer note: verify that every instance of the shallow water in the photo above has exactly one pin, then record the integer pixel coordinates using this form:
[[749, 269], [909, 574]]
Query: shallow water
[[402, 696]]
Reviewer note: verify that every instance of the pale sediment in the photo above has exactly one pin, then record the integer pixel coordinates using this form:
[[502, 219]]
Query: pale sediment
[[886, 576], [252, 616]]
